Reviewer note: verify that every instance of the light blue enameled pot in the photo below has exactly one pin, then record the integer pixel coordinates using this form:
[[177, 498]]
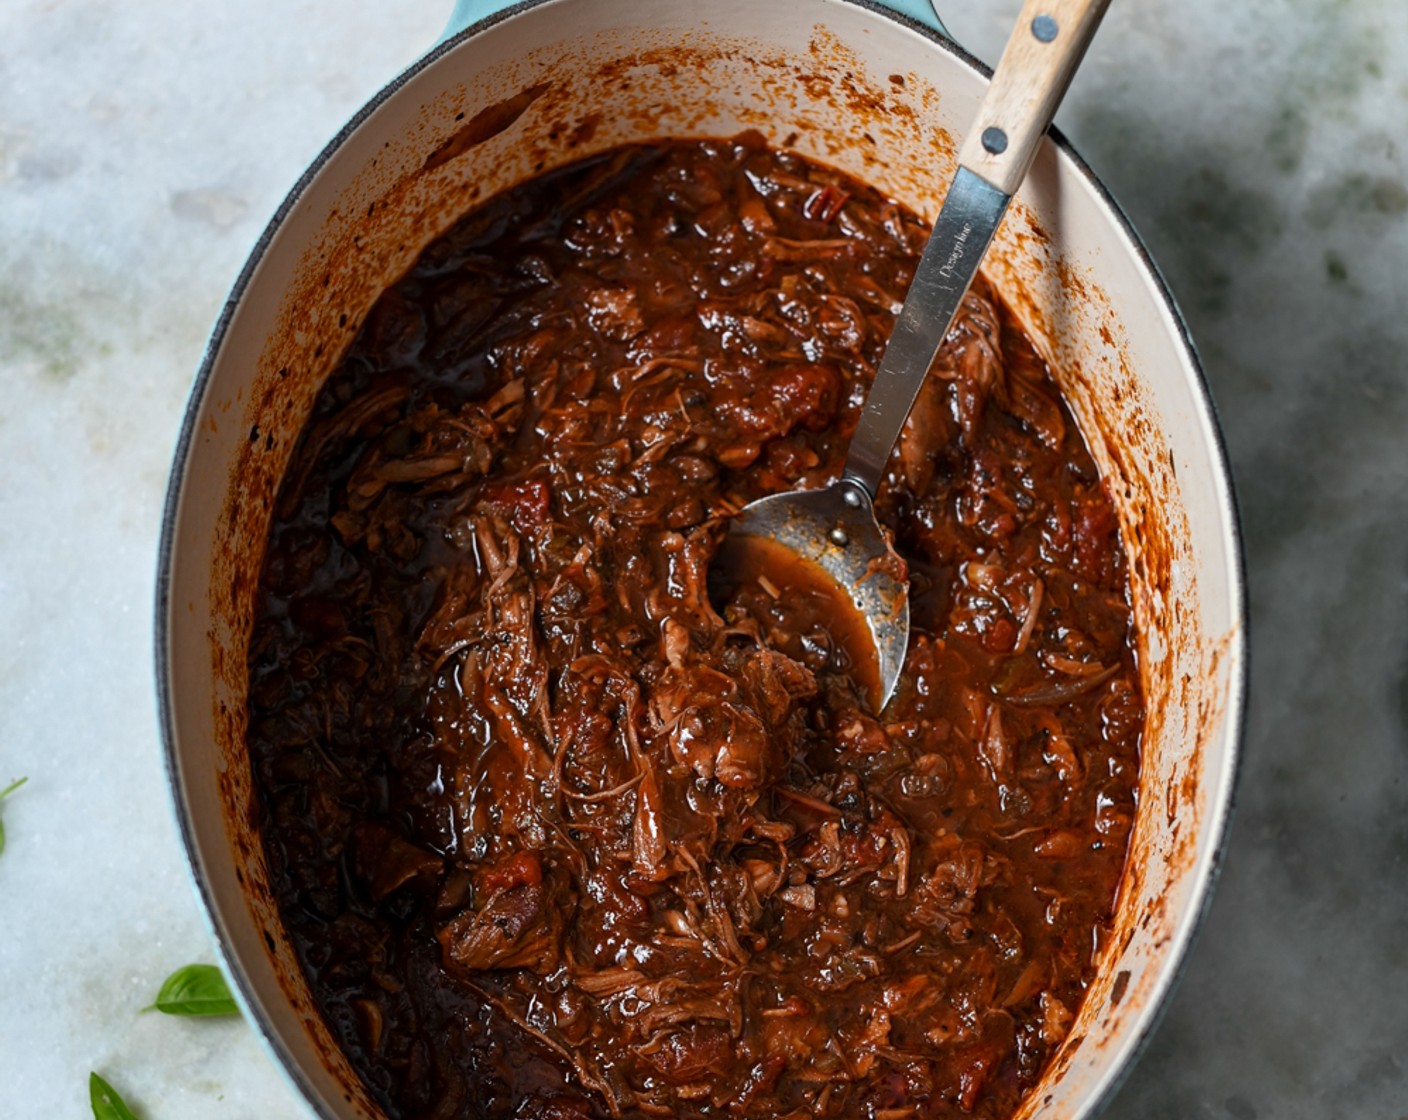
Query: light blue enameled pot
[[875, 89]]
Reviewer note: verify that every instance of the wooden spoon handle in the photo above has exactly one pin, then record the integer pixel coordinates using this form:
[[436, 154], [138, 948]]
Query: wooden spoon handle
[[1030, 80]]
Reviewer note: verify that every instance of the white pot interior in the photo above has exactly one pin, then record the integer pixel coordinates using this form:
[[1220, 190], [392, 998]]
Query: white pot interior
[[845, 85]]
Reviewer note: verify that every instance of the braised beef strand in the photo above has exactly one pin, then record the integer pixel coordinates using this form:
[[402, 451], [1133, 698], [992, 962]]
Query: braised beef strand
[[557, 828]]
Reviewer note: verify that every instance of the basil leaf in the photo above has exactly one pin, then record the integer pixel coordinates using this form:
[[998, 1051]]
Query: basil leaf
[[197, 989], [107, 1105], [4, 793]]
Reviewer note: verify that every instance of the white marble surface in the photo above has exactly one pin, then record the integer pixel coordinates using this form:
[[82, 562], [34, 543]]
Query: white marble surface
[[1261, 148]]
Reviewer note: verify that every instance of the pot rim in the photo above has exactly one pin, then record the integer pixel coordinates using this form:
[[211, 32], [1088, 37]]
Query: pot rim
[[1206, 416]]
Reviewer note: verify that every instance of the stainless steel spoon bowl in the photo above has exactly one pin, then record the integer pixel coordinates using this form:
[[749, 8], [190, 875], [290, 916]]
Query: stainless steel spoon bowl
[[835, 527]]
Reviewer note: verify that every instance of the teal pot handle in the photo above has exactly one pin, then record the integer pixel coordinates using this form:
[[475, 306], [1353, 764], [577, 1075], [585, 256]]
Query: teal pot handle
[[920, 11], [469, 12]]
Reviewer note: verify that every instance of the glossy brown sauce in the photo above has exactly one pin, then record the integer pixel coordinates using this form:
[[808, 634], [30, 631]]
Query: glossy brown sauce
[[780, 588], [554, 833]]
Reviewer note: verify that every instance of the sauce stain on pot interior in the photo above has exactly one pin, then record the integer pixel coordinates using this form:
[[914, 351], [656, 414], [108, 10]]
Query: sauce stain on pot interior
[[485, 125]]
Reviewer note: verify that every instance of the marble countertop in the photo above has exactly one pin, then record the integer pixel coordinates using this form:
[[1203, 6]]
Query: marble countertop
[[1262, 150]]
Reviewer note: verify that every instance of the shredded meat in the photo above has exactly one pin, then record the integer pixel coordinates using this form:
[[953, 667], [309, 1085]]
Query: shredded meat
[[567, 819], [518, 923]]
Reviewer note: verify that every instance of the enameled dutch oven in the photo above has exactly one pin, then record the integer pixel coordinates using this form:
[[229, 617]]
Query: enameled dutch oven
[[877, 90]]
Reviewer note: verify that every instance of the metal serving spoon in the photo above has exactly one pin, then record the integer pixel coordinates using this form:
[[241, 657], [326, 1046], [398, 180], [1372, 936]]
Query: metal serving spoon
[[835, 527]]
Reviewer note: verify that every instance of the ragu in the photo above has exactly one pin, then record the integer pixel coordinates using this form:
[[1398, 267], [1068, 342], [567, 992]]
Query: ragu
[[567, 819]]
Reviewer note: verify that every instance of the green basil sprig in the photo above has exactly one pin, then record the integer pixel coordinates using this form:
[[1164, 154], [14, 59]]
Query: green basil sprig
[[197, 989], [107, 1105], [4, 793]]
